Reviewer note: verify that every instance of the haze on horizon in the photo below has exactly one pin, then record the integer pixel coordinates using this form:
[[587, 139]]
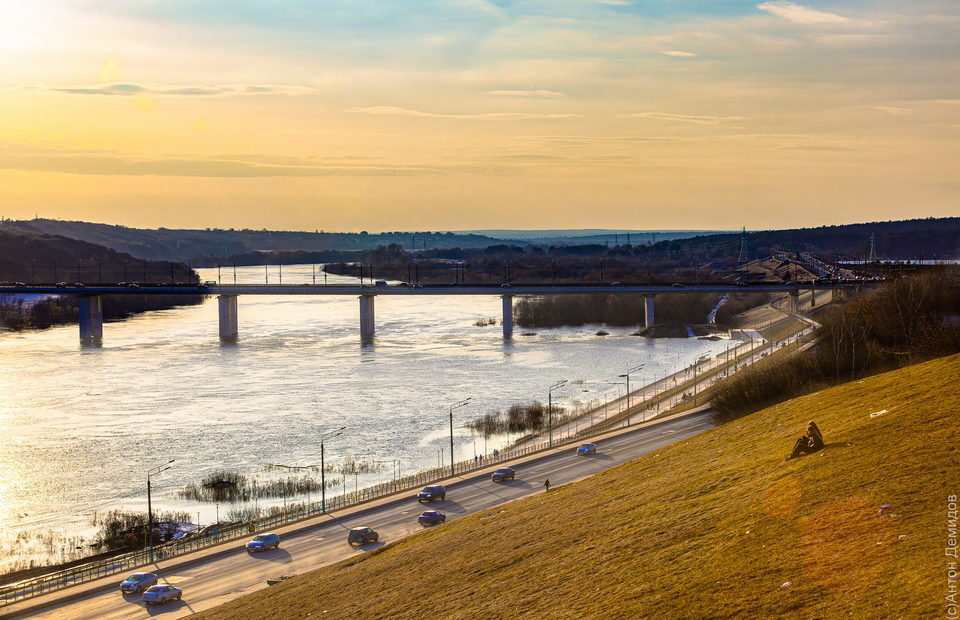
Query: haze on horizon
[[386, 115]]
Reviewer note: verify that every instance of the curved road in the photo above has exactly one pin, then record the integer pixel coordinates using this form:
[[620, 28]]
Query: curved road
[[216, 580]]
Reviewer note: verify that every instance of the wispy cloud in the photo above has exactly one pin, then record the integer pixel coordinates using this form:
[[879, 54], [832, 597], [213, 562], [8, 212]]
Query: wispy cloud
[[490, 116], [800, 14], [890, 109], [614, 2], [546, 94], [678, 54], [686, 118], [130, 89]]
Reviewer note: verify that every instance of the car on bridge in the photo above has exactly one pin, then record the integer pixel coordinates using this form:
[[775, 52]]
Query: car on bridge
[[503, 474], [138, 582], [587, 449], [262, 542], [362, 536], [156, 595], [431, 493], [431, 517]]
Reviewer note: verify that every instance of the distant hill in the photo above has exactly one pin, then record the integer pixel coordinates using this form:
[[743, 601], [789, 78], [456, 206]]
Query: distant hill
[[578, 236], [204, 246], [38, 258], [930, 238]]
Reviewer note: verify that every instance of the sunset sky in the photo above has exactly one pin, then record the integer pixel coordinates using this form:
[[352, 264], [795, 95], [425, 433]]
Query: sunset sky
[[460, 114]]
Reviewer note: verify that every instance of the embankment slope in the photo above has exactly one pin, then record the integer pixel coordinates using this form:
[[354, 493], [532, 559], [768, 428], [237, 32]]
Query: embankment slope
[[715, 526]]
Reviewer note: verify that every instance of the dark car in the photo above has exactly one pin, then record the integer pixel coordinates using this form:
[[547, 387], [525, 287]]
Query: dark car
[[262, 542], [362, 536], [504, 473], [138, 582], [431, 517], [431, 493]]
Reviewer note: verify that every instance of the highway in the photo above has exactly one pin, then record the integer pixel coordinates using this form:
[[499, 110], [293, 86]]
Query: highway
[[223, 577]]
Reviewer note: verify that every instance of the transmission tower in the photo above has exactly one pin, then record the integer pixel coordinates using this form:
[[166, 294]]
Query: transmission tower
[[873, 248], [743, 247]]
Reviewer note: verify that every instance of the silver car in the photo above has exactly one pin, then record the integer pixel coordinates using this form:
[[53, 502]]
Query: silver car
[[155, 595]]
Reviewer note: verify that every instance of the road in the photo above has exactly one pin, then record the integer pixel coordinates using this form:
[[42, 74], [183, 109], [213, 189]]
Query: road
[[219, 579]]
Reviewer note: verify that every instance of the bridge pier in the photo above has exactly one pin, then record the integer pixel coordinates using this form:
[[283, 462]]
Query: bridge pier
[[507, 316], [367, 325], [813, 298], [794, 302], [648, 310], [228, 316], [91, 318], [838, 294]]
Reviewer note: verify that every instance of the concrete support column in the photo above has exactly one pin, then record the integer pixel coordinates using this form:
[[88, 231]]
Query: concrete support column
[[839, 294], [367, 324], [813, 298], [648, 310], [228, 316], [794, 305], [507, 316], [91, 318]]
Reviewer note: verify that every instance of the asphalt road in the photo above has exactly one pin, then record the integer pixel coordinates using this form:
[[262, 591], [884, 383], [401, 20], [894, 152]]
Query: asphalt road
[[220, 579]]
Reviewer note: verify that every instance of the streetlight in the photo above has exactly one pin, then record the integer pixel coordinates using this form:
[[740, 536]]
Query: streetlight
[[462, 403], [553, 387], [627, 375], [323, 470], [153, 472]]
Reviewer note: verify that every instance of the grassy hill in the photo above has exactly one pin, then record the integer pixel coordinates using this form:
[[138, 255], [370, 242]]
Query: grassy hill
[[716, 526]]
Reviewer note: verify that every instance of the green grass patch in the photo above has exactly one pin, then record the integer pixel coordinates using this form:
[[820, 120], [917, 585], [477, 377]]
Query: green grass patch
[[711, 527]]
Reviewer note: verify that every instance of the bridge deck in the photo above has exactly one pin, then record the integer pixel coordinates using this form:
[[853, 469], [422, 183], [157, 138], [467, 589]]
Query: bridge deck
[[459, 289]]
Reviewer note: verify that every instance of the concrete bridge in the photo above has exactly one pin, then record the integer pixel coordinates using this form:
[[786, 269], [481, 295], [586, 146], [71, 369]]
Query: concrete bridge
[[91, 297]]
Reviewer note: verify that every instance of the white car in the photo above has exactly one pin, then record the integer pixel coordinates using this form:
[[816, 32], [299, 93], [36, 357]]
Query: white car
[[155, 595]]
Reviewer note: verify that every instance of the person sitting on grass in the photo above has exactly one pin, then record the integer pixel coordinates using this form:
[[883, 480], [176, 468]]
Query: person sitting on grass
[[809, 443]]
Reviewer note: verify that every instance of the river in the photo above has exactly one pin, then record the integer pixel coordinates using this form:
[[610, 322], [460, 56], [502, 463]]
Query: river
[[82, 425]]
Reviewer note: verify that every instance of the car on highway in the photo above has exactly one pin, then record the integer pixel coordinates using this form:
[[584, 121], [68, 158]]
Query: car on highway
[[586, 449], [431, 493], [504, 473], [157, 595], [262, 542], [431, 517], [362, 536], [138, 582]]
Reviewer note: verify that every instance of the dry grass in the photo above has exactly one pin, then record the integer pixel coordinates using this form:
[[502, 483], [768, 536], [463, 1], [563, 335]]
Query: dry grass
[[711, 527]]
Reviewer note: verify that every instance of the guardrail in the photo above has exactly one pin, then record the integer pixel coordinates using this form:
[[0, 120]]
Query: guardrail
[[125, 562]]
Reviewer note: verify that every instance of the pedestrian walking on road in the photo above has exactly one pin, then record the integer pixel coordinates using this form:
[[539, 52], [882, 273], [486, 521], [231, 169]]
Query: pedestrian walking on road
[[546, 485]]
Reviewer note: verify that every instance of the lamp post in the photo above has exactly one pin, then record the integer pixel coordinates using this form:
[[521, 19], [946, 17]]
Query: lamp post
[[627, 375], [323, 469], [553, 387], [462, 403], [153, 472]]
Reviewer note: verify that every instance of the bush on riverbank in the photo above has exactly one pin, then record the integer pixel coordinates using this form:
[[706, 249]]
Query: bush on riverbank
[[619, 310], [529, 418], [231, 486], [121, 529], [904, 322]]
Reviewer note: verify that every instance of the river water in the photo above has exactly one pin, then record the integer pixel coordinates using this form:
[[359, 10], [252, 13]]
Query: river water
[[82, 425]]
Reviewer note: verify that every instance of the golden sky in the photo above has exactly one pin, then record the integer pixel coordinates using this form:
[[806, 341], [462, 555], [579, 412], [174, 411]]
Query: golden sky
[[463, 114]]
